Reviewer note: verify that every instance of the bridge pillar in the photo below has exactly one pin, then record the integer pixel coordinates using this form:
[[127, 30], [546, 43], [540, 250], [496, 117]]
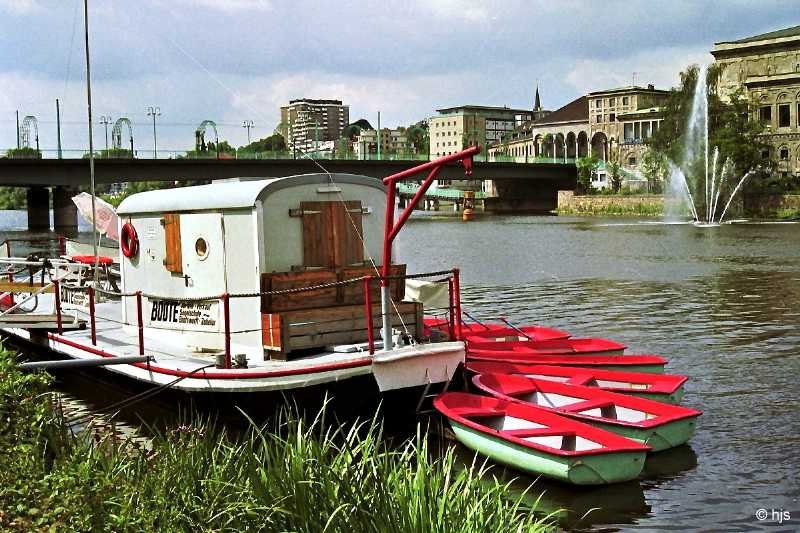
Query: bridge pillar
[[38, 199], [65, 214]]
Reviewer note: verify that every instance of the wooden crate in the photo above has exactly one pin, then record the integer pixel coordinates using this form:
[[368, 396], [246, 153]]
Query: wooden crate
[[348, 294], [287, 332], [354, 293], [298, 300]]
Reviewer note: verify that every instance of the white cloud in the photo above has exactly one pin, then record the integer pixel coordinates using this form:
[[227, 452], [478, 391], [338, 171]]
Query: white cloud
[[229, 6], [659, 66], [469, 10], [19, 7]]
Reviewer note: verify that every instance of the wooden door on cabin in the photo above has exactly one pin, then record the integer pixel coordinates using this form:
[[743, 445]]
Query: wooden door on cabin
[[172, 242], [332, 234]]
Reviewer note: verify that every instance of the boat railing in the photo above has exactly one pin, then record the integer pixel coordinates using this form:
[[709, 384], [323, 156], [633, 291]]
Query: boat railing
[[451, 277]]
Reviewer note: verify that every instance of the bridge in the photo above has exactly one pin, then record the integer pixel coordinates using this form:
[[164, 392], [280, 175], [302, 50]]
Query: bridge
[[529, 187]]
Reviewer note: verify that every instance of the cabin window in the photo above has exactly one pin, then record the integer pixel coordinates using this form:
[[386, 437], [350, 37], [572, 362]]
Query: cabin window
[[172, 241], [332, 233], [201, 248]]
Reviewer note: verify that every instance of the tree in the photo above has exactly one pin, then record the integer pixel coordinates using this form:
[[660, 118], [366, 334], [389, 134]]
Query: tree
[[26, 152], [614, 170], [586, 166], [732, 128], [273, 143], [418, 138], [655, 170]]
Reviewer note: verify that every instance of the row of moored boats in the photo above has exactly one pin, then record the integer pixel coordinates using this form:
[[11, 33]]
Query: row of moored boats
[[577, 410]]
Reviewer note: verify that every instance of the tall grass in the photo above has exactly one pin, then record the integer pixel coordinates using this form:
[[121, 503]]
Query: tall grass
[[291, 474]]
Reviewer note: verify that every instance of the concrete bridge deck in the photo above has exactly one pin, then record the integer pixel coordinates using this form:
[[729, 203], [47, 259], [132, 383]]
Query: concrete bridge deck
[[529, 187]]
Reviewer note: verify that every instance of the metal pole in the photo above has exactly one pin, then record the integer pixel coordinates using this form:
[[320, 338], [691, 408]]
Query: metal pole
[[155, 142], [379, 135], [91, 144], [451, 322], [457, 300], [368, 311], [226, 311], [140, 321], [57, 295], [91, 316], [17, 129], [58, 127], [84, 363]]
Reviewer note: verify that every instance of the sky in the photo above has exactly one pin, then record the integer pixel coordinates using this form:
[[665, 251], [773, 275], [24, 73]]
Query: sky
[[235, 60]]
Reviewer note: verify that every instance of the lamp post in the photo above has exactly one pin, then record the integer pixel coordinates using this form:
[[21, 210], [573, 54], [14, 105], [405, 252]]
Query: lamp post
[[154, 111], [248, 124], [105, 120]]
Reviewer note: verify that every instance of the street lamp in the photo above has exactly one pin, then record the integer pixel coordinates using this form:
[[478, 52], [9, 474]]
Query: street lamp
[[105, 120], [154, 111], [248, 124]]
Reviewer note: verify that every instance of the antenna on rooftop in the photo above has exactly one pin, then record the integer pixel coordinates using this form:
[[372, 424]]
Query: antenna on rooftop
[[633, 79]]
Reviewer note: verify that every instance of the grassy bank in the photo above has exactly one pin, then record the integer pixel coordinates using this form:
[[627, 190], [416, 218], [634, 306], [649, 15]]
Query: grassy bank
[[634, 210], [290, 475]]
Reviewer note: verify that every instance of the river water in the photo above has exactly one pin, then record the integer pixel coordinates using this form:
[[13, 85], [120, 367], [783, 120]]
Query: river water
[[722, 304]]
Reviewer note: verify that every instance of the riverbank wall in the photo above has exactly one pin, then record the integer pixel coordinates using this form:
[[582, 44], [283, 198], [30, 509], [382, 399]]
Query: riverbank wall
[[773, 205], [616, 205]]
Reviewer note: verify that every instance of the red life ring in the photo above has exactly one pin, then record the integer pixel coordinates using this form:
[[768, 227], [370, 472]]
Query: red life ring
[[129, 241]]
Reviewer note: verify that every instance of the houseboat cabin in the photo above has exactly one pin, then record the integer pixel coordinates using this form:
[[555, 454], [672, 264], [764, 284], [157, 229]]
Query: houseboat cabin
[[183, 248]]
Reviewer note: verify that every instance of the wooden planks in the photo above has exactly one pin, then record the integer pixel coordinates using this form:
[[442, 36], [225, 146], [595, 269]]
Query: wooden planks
[[307, 329], [19, 287], [299, 300], [354, 292], [172, 241], [349, 294], [332, 233]]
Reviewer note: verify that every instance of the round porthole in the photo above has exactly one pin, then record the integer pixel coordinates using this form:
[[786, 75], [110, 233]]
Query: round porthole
[[201, 248]]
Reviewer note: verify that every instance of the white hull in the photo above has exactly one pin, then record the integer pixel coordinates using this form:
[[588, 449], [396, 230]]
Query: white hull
[[404, 367]]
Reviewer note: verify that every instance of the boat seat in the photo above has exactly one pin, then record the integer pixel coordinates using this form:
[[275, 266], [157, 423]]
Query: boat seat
[[586, 405], [539, 432], [582, 379], [90, 259], [470, 412]]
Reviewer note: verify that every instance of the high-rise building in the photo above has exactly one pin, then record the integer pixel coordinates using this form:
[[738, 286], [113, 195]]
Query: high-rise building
[[307, 123]]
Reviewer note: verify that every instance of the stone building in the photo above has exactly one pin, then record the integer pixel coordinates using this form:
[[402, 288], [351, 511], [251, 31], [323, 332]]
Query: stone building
[[392, 142], [767, 68], [558, 135], [307, 123], [622, 120], [614, 123]]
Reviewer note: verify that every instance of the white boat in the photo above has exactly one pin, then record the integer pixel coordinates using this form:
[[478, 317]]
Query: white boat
[[255, 285]]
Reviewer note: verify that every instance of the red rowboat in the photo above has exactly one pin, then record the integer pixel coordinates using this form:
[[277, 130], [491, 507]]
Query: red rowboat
[[660, 387], [659, 425], [589, 346], [497, 331], [541, 442]]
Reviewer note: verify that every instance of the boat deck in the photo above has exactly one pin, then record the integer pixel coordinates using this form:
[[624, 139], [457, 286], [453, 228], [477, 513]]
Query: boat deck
[[172, 360]]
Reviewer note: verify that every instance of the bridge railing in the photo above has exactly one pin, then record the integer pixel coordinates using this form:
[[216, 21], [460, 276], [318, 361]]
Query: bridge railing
[[71, 153]]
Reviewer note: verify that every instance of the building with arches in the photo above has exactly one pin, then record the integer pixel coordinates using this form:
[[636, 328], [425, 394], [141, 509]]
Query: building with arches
[[767, 67]]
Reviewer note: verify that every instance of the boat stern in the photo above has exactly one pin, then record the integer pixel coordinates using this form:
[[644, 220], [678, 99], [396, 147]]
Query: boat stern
[[417, 365]]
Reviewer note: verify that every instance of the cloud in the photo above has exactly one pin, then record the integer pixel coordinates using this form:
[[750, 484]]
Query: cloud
[[659, 66], [19, 7], [229, 6], [469, 10]]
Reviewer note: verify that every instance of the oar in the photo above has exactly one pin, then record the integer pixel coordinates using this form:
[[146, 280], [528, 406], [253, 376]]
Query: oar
[[487, 328], [515, 328]]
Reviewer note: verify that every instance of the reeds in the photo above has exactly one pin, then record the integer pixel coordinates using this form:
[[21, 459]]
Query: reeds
[[291, 474]]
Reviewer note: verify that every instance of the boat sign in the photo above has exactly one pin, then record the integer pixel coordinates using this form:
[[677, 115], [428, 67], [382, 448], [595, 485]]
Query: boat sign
[[176, 314], [74, 298]]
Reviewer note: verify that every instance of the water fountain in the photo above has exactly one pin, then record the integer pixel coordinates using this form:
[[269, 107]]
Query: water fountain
[[706, 188]]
